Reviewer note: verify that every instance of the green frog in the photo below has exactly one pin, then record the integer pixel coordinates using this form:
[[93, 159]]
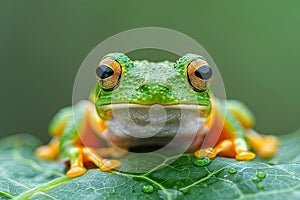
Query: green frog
[[118, 112]]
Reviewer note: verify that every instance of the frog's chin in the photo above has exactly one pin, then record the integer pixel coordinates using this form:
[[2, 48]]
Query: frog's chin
[[152, 121]]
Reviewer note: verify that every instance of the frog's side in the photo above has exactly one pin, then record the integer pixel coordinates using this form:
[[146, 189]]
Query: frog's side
[[125, 95]]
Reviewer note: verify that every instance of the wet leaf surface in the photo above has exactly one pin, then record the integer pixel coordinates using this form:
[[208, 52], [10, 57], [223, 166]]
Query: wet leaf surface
[[22, 176]]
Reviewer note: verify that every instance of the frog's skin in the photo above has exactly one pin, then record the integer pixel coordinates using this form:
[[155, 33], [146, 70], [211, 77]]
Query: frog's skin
[[126, 91]]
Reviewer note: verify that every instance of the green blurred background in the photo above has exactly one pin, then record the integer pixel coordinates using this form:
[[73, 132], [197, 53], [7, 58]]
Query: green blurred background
[[255, 44]]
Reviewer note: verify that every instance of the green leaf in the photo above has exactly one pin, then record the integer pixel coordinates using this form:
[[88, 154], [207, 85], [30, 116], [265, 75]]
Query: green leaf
[[22, 176]]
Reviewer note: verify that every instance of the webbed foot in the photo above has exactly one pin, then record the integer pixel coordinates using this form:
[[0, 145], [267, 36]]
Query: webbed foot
[[208, 152], [227, 148], [78, 155], [107, 165], [49, 151], [245, 155], [104, 164], [265, 145], [75, 171]]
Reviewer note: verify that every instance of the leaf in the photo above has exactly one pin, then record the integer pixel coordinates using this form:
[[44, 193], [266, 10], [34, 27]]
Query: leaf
[[22, 176]]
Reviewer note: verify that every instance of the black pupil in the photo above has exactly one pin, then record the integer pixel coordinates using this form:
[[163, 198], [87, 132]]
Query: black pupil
[[104, 71], [204, 72]]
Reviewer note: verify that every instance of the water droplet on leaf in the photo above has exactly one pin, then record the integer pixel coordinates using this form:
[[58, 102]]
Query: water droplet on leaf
[[261, 175], [260, 186], [202, 161], [256, 180], [232, 171], [148, 188]]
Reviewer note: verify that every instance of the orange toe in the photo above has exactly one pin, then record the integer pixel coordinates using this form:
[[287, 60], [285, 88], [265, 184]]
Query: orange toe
[[46, 152], [208, 152], [76, 171], [245, 155], [109, 164], [270, 147]]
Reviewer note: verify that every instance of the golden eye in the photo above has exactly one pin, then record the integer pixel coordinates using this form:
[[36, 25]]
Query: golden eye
[[109, 73], [199, 74]]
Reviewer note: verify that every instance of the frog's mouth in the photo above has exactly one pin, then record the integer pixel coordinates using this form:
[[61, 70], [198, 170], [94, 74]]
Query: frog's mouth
[[149, 106], [141, 122], [105, 111]]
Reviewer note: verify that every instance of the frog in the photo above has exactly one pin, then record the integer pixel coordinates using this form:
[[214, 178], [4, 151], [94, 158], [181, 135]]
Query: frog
[[126, 91]]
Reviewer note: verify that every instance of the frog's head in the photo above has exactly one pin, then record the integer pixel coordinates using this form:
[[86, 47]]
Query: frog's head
[[139, 85]]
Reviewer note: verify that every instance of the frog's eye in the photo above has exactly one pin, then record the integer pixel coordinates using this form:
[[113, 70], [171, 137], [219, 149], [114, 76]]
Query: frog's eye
[[109, 73], [199, 74]]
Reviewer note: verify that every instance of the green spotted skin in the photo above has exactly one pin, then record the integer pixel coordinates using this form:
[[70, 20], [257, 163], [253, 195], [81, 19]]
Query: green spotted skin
[[147, 83]]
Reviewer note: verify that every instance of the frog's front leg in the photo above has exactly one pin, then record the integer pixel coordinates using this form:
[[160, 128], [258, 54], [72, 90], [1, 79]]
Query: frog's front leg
[[72, 146], [77, 156], [264, 145], [241, 137], [68, 130], [233, 141]]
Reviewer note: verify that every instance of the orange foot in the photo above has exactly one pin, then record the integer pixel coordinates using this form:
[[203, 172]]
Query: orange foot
[[265, 145], [78, 154], [48, 152], [226, 148]]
